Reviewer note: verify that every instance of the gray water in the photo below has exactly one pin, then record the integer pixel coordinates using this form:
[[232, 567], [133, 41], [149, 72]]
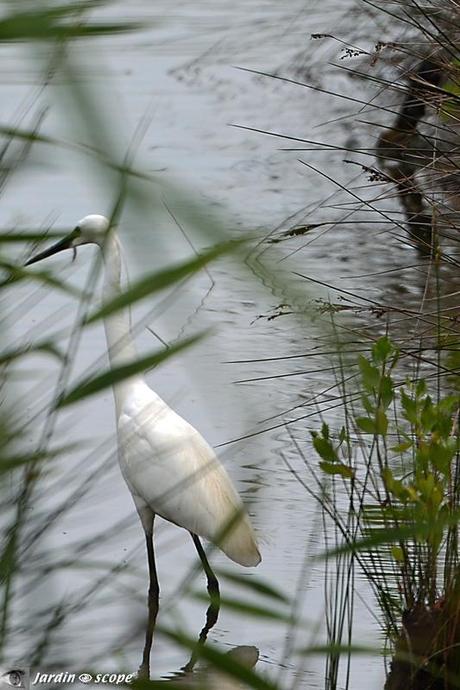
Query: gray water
[[181, 75]]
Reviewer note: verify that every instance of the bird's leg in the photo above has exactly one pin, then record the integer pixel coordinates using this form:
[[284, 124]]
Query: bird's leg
[[154, 587], [153, 605], [213, 609], [213, 584]]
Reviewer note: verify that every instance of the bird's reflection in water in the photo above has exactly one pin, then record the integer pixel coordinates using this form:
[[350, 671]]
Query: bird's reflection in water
[[204, 676], [212, 615], [207, 677], [211, 619]]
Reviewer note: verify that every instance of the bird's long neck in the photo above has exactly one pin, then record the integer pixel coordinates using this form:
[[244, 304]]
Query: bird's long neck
[[120, 344]]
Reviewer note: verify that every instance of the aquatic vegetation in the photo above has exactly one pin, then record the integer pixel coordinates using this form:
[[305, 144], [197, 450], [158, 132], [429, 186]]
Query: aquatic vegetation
[[401, 520]]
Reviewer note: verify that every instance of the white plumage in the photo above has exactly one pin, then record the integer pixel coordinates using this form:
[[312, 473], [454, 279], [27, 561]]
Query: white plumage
[[169, 468]]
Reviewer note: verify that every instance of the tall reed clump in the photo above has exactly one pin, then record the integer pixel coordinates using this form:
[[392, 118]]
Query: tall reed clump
[[388, 480], [400, 521]]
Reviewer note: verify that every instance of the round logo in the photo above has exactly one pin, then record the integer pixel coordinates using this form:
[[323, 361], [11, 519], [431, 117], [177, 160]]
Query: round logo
[[85, 677], [15, 677]]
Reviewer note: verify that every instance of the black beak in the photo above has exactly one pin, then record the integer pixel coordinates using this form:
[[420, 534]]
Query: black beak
[[66, 243]]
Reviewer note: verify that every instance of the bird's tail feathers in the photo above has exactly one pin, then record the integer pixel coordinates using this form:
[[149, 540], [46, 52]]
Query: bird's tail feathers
[[237, 540]]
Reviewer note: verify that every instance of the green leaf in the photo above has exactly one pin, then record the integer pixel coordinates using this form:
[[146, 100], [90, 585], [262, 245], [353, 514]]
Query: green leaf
[[449, 403], [387, 476], [382, 349], [409, 407], [402, 447], [325, 449], [337, 468], [395, 487], [386, 391], [161, 280], [397, 553], [370, 375], [442, 455], [366, 424], [428, 415], [381, 422], [420, 388], [443, 425], [92, 385], [422, 457], [325, 430], [369, 406], [394, 359], [426, 486]]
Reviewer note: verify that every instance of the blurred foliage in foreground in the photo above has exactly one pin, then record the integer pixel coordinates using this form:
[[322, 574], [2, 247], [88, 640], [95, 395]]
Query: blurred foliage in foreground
[[395, 505]]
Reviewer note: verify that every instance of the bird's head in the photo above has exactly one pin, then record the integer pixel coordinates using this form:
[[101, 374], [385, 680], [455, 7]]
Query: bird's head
[[91, 229]]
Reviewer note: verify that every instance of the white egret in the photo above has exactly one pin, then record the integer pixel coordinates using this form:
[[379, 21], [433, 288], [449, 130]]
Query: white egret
[[169, 468]]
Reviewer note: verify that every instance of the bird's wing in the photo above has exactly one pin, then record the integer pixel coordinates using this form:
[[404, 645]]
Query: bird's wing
[[168, 464]]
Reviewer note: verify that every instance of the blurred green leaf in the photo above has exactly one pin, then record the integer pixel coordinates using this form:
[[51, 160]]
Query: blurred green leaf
[[396, 487], [12, 462], [442, 455], [255, 584], [62, 21], [419, 529], [7, 237], [160, 280], [248, 608], [17, 273], [29, 135], [428, 415], [32, 136], [48, 347], [397, 553], [367, 425], [420, 388], [92, 385], [337, 468], [403, 446]]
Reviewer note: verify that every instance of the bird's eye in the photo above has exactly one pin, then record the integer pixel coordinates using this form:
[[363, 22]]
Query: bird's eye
[[14, 677]]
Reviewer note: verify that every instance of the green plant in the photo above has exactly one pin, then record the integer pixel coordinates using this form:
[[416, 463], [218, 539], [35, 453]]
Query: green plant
[[403, 489]]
